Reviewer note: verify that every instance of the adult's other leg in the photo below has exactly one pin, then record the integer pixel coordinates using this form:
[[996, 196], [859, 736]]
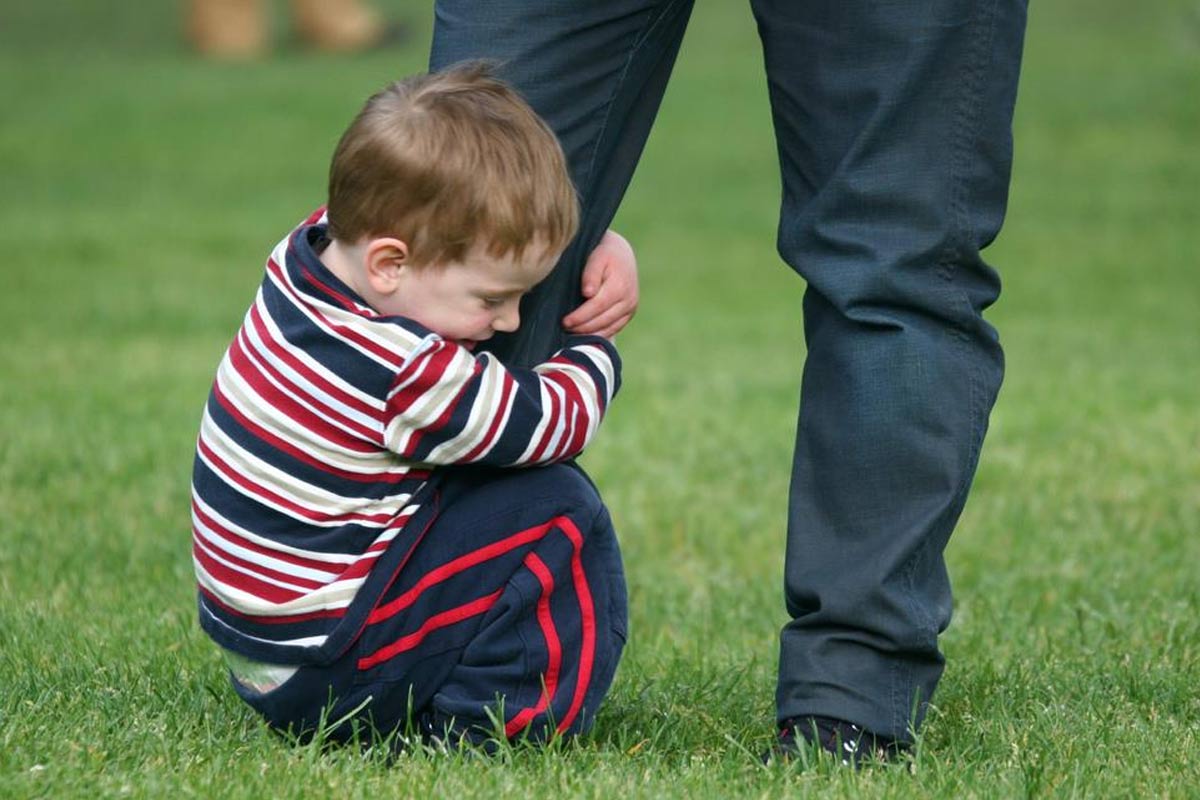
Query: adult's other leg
[[596, 72], [893, 122]]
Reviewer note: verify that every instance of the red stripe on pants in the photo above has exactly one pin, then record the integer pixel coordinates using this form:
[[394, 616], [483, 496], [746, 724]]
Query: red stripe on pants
[[452, 568], [465, 611], [587, 620], [553, 646]]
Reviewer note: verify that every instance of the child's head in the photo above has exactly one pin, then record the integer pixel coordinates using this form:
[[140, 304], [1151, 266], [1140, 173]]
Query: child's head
[[447, 179]]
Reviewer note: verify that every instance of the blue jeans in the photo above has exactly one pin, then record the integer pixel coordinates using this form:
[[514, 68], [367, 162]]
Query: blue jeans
[[893, 124]]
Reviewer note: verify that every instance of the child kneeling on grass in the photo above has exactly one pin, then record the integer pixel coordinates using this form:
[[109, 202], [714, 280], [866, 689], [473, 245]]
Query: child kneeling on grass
[[365, 554]]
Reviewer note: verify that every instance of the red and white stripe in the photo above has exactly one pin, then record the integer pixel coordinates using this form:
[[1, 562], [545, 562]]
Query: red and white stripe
[[280, 396]]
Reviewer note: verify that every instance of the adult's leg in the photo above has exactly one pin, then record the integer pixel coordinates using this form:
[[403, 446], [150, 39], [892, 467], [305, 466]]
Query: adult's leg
[[595, 71], [893, 122]]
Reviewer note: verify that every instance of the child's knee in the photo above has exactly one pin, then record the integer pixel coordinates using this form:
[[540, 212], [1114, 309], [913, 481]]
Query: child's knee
[[574, 491], [557, 491]]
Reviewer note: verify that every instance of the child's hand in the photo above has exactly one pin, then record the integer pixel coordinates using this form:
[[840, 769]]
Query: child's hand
[[610, 286]]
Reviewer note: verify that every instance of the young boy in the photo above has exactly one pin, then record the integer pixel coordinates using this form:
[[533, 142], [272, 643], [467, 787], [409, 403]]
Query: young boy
[[363, 550]]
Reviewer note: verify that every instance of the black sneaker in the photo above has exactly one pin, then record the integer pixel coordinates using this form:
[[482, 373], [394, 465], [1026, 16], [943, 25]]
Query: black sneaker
[[851, 744]]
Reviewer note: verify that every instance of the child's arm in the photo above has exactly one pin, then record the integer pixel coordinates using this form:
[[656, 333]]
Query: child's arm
[[448, 407], [610, 286]]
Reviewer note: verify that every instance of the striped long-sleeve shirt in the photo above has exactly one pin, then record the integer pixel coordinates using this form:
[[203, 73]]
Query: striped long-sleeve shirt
[[325, 422]]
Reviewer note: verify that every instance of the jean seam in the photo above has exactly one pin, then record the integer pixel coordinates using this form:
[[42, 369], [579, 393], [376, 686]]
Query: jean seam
[[965, 128], [638, 43], [982, 40]]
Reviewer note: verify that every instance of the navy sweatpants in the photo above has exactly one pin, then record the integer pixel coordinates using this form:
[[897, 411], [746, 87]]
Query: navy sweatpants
[[513, 603]]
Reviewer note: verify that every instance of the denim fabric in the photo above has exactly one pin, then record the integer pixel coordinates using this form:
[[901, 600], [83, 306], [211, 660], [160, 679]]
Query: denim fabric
[[595, 71], [893, 124]]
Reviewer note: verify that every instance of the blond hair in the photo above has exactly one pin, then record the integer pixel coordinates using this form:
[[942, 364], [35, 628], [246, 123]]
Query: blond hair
[[447, 161]]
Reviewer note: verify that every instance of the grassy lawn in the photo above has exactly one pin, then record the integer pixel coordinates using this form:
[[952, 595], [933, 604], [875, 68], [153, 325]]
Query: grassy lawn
[[141, 190]]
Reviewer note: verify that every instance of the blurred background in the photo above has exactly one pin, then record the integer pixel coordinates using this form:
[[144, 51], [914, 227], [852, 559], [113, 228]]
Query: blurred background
[[143, 186]]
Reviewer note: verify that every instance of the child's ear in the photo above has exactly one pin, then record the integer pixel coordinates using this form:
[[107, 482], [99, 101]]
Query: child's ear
[[386, 260]]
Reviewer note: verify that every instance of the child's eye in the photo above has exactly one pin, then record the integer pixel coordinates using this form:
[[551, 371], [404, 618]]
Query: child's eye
[[492, 302]]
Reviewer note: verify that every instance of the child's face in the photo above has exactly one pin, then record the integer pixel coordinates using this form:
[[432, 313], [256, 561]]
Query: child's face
[[468, 301]]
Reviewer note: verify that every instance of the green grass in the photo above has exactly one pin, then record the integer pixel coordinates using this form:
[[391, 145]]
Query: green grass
[[140, 189]]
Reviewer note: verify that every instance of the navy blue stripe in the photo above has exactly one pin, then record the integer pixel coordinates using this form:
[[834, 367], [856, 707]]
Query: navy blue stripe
[[301, 470], [220, 624], [365, 374], [242, 635], [350, 538]]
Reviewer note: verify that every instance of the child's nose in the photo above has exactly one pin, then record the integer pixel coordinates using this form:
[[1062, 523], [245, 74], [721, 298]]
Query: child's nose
[[509, 318]]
